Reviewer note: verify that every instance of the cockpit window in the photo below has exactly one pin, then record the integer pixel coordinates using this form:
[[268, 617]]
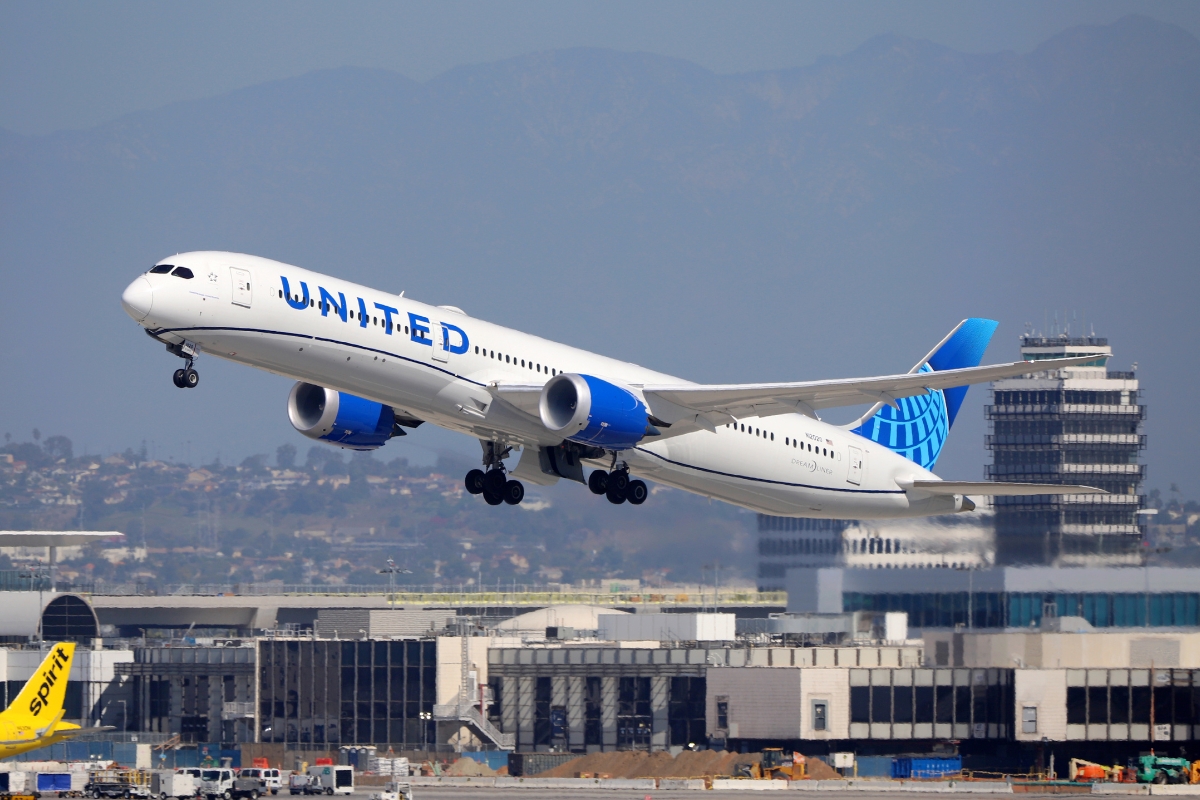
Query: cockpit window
[[161, 269], [183, 272]]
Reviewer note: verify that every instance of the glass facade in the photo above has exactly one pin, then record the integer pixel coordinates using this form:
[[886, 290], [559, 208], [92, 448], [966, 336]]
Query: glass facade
[[1022, 609], [332, 692], [976, 703]]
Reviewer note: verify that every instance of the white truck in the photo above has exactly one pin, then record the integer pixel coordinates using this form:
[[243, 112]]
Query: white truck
[[173, 784], [331, 779], [216, 782]]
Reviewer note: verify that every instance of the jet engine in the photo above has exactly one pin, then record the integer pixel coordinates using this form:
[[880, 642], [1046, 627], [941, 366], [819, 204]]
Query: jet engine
[[340, 419], [592, 411]]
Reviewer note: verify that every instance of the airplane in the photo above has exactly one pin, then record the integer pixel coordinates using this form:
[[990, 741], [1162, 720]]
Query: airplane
[[34, 718], [370, 364]]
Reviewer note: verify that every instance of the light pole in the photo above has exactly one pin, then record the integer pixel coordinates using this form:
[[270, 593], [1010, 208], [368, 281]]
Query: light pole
[[391, 570], [426, 716]]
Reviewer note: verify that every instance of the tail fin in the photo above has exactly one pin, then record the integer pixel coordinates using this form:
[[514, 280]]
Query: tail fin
[[916, 427], [41, 701]]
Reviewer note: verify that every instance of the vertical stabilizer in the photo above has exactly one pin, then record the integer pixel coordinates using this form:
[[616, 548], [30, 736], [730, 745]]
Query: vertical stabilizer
[[41, 701], [917, 427]]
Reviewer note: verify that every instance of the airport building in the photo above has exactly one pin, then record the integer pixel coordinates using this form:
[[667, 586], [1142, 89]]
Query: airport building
[[1080, 425]]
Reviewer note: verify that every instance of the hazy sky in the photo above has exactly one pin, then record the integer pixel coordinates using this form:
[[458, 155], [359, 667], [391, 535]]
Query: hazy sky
[[73, 64]]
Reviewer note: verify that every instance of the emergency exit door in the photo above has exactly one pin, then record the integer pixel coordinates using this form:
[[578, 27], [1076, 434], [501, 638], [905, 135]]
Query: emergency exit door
[[241, 286]]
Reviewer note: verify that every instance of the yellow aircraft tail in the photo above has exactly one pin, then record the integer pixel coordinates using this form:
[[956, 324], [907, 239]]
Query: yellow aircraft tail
[[40, 703]]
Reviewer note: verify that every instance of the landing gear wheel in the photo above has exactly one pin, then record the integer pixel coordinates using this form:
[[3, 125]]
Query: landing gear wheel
[[636, 492], [598, 481], [191, 378], [618, 479], [514, 493], [615, 495], [475, 481], [494, 481], [178, 378], [492, 498]]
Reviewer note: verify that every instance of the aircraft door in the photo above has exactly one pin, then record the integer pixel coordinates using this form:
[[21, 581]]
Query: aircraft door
[[440, 341], [241, 286], [854, 472]]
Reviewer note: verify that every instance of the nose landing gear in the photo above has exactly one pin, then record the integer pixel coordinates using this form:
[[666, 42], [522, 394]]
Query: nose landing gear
[[186, 378]]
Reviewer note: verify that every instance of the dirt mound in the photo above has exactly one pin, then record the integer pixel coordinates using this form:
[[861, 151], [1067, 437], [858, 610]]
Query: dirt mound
[[631, 764], [818, 770], [469, 768]]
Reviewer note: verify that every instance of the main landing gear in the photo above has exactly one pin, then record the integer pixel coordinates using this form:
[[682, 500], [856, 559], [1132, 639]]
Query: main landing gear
[[494, 484], [618, 487]]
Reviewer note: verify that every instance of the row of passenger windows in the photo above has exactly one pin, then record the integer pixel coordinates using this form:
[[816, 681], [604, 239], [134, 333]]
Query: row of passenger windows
[[509, 359], [787, 440], [351, 314]]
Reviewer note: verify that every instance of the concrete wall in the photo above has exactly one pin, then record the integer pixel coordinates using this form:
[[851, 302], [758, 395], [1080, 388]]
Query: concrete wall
[[1118, 650], [763, 703], [833, 687], [1045, 690]]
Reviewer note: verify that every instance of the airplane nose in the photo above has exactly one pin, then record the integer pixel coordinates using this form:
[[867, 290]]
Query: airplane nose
[[138, 298]]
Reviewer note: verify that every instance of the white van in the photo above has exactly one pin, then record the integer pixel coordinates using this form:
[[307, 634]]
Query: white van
[[271, 779], [331, 779]]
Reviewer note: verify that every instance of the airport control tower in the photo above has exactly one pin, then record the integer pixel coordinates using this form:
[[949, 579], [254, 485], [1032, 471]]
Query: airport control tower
[[1077, 425]]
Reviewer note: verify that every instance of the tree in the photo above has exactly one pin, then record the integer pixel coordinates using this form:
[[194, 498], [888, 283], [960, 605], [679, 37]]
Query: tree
[[285, 456], [58, 448]]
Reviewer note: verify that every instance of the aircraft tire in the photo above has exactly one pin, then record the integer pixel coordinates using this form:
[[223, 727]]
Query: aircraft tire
[[191, 378], [615, 495], [514, 493], [177, 377], [636, 492], [620, 479], [491, 498], [598, 481], [474, 481], [493, 482]]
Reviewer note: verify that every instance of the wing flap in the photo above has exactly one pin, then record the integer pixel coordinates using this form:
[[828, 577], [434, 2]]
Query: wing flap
[[768, 399], [996, 489]]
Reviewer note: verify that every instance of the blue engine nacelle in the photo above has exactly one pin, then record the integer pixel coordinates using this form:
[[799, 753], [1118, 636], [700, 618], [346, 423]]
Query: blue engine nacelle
[[592, 411], [340, 419]]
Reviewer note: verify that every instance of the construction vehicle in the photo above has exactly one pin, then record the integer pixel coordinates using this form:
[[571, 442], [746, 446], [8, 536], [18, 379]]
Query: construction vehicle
[[775, 765], [1083, 771], [1153, 768]]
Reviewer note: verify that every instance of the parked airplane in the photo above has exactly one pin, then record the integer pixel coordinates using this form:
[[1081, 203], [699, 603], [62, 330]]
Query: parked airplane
[[371, 364], [34, 718]]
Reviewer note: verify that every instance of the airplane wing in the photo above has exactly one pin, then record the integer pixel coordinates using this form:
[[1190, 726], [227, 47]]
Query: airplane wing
[[998, 489], [708, 406]]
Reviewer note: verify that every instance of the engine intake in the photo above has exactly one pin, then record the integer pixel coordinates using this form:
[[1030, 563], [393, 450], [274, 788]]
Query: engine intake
[[340, 419], [589, 410]]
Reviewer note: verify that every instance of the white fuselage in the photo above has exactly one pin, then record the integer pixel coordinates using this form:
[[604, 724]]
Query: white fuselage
[[789, 465]]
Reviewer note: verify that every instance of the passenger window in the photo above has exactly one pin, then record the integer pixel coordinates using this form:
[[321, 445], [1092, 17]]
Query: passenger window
[[312, 303], [161, 269], [476, 347], [772, 437], [406, 329], [183, 272], [506, 360]]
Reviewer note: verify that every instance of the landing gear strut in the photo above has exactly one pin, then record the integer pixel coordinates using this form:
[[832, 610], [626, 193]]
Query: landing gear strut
[[617, 486], [494, 484], [186, 378]]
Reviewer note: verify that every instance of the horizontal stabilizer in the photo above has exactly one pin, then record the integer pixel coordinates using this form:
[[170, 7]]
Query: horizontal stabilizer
[[996, 489]]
